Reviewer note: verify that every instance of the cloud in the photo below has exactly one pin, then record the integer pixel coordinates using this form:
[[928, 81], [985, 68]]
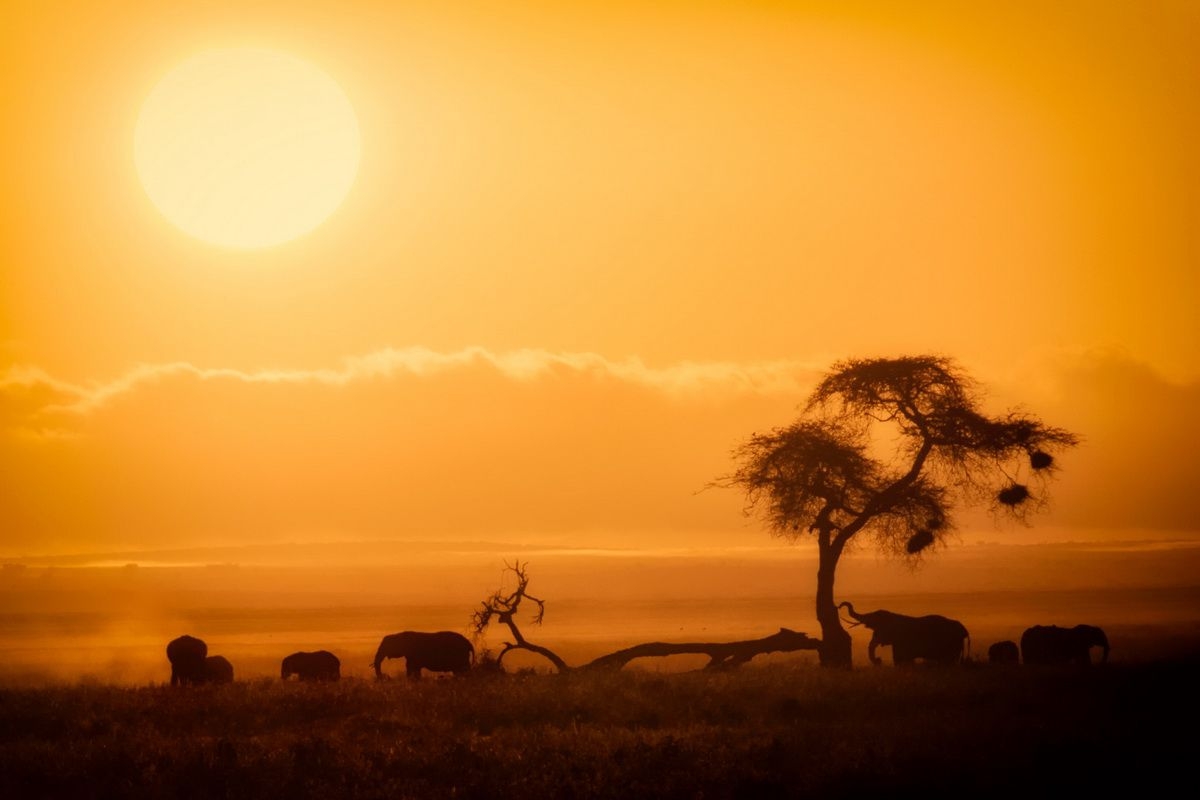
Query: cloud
[[527, 445], [1140, 454], [394, 442], [25, 394], [769, 377]]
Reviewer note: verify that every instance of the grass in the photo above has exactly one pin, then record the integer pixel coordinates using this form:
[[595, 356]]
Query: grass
[[766, 731]]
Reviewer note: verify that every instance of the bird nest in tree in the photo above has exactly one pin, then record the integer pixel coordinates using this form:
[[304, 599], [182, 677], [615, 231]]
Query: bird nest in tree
[[1013, 495], [919, 541], [1040, 459]]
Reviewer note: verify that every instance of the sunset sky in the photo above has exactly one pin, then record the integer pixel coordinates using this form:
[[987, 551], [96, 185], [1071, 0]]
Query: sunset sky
[[587, 249]]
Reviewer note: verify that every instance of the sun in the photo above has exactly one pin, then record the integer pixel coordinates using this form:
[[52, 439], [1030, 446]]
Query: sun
[[246, 148]]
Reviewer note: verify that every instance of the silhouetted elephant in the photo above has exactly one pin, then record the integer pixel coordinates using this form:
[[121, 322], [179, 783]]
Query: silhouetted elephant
[[1050, 644], [186, 654], [931, 637], [217, 669], [321, 665], [444, 651], [1005, 652]]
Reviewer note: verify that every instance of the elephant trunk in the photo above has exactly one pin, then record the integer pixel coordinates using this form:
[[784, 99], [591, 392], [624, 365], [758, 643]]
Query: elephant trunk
[[1104, 645], [846, 604], [379, 656]]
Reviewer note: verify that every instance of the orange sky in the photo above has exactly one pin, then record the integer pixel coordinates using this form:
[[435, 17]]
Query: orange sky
[[588, 250]]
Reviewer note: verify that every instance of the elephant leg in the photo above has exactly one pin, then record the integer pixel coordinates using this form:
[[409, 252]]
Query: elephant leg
[[413, 671], [903, 655]]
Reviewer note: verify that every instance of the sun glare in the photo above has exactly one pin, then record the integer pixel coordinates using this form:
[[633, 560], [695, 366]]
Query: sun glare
[[246, 148]]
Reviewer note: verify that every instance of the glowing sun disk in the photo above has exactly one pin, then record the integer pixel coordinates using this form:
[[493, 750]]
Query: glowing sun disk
[[246, 148]]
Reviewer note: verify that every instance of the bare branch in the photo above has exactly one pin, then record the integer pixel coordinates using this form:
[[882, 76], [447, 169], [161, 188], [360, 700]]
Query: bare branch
[[505, 607]]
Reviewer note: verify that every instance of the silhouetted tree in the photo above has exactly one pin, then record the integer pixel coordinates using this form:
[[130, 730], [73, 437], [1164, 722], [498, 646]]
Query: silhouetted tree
[[885, 449], [504, 606]]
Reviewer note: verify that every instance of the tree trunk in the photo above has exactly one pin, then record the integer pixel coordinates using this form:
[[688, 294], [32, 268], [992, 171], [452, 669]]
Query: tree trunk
[[835, 641]]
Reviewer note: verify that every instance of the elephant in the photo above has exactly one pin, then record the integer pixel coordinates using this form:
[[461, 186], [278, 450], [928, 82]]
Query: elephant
[[187, 656], [1005, 652], [443, 651], [1050, 644], [217, 669], [320, 665], [933, 638]]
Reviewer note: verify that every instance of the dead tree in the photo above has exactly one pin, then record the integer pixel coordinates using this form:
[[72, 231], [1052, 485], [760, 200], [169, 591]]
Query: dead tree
[[504, 607], [722, 655]]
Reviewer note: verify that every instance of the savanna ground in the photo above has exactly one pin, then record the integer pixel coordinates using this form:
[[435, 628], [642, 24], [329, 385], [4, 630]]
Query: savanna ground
[[84, 711], [762, 731]]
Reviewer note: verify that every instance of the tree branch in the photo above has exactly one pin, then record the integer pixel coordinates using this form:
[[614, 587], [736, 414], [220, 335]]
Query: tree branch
[[504, 608]]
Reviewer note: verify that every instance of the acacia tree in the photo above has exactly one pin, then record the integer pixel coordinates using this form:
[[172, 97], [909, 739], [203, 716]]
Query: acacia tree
[[883, 451]]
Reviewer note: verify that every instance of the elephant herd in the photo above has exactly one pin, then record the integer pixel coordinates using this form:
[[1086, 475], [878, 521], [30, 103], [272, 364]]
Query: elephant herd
[[931, 638], [442, 651], [937, 639]]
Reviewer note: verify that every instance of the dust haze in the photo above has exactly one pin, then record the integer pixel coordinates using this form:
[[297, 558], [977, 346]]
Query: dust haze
[[109, 624]]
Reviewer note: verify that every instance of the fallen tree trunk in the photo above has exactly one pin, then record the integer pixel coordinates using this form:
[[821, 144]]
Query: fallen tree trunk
[[722, 655]]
